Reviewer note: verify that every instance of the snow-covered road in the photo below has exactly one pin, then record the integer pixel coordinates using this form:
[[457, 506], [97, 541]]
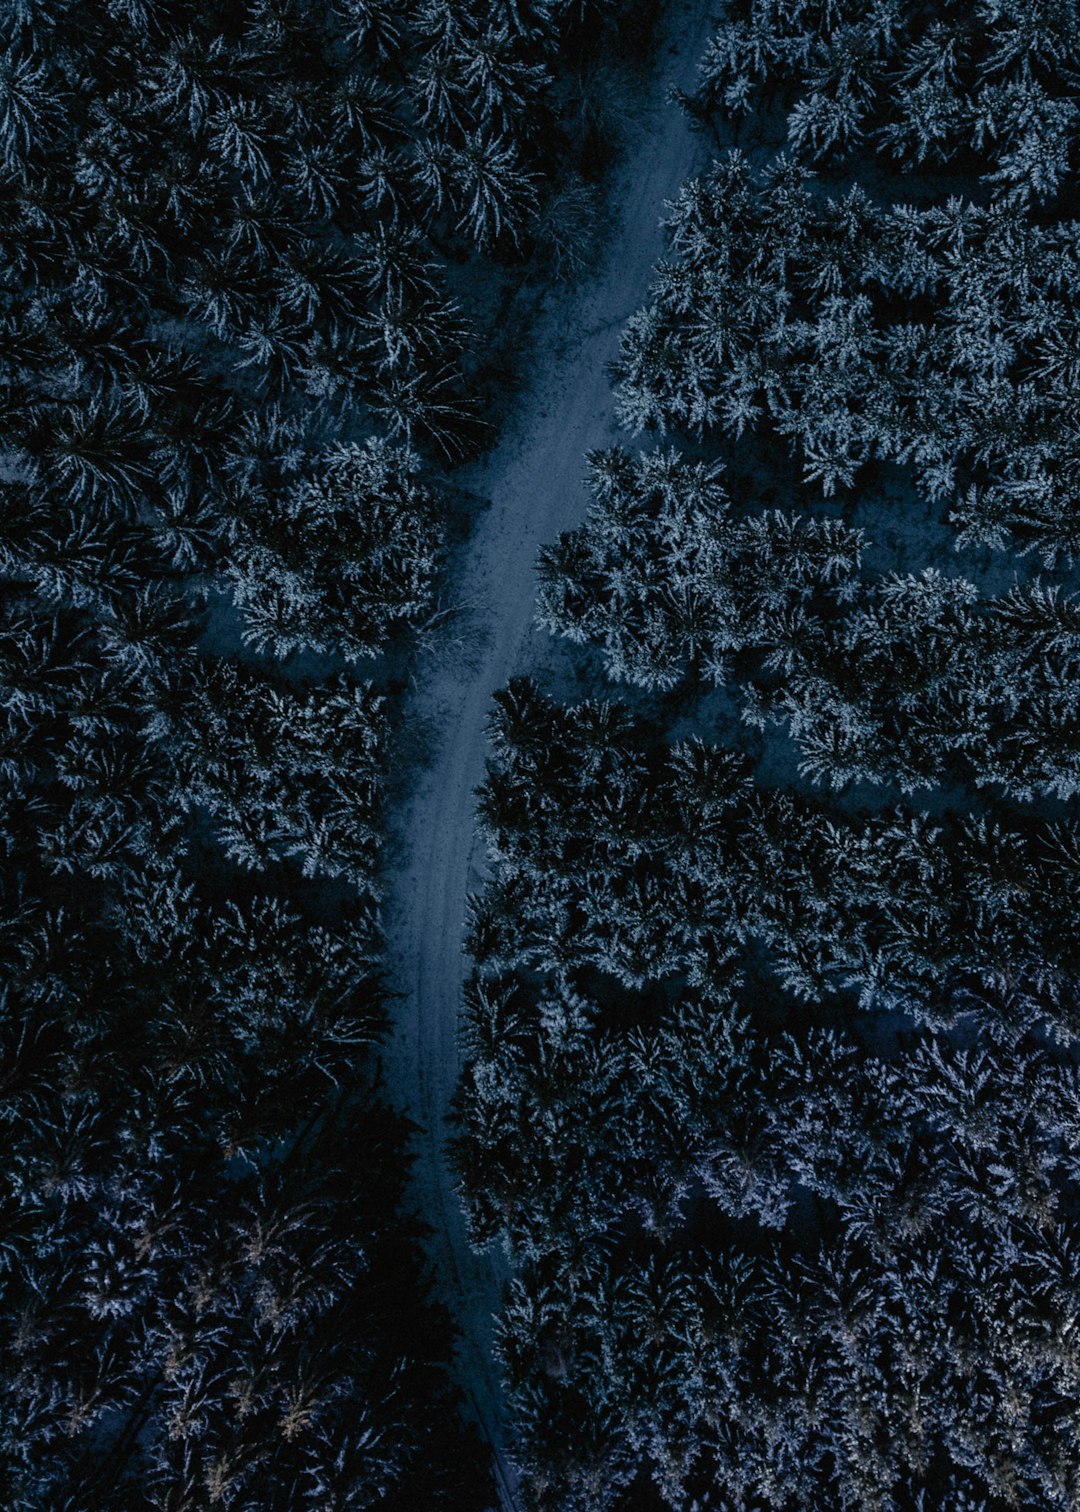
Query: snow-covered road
[[534, 480]]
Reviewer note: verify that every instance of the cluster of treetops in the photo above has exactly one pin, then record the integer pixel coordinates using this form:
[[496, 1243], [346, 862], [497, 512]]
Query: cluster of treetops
[[772, 1091], [234, 366]]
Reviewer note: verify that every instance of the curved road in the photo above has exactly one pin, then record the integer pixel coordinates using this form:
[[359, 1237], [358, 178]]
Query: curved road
[[534, 481]]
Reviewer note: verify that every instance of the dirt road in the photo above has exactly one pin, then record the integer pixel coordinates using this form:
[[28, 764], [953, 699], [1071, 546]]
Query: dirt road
[[534, 480]]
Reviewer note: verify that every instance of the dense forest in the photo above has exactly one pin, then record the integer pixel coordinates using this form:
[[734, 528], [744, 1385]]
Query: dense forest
[[256, 261], [772, 1090], [772, 1093]]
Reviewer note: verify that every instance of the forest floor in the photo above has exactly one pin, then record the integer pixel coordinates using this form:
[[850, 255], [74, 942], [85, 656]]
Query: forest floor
[[534, 481]]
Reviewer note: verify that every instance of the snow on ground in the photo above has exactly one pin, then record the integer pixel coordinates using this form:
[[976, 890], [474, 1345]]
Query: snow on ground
[[534, 481]]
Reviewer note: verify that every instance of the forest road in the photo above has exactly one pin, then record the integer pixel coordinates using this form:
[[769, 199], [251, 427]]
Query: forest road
[[534, 479]]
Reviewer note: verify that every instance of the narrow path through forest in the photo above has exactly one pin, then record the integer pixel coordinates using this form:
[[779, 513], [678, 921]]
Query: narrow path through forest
[[534, 481]]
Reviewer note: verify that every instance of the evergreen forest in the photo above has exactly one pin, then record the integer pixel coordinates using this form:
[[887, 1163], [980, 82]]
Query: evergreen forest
[[747, 1044], [772, 1091]]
